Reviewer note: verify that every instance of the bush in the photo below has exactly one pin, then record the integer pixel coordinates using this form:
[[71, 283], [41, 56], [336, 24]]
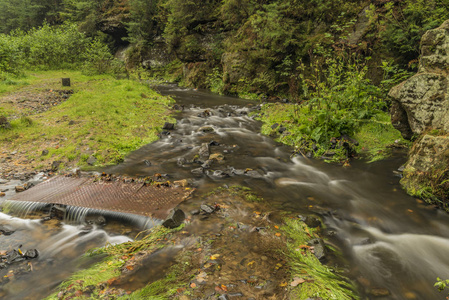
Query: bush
[[53, 47]]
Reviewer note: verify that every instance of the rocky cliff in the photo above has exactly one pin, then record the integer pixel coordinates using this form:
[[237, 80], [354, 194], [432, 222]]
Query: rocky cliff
[[420, 111]]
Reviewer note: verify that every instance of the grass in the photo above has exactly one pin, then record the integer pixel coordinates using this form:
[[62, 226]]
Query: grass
[[320, 280], [105, 117], [376, 135]]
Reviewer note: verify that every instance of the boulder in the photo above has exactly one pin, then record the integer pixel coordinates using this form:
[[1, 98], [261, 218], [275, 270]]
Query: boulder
[[420, 108]]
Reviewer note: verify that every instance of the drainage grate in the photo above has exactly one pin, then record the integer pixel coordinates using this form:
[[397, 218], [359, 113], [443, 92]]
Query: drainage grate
[[135, 198]]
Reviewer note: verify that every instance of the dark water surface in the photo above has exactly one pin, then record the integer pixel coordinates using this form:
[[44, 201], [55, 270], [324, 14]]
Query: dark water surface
[[391, 240]]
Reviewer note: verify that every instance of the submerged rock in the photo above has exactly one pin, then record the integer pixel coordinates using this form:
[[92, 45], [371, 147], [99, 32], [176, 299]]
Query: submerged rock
[[207, 208], [204, 151]]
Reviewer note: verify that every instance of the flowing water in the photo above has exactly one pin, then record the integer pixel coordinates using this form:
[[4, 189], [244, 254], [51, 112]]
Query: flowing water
[[391, 240]]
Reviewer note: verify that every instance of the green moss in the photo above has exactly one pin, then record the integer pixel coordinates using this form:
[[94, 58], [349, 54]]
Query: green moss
[[320, 280], [375, 136]]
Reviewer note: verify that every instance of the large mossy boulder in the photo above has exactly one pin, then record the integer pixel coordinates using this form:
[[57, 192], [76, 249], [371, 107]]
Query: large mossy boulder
[[421, 109]]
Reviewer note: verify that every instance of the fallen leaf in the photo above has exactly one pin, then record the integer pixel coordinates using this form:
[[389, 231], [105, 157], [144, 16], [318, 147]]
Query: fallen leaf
[[275, 226], [215, 256], [193, 285], [283, 284], [224, 288], [277, 234], [251, 263], [130, 268], [296, 281]]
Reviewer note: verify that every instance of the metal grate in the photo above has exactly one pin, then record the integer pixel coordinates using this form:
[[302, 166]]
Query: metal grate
[[135, 198]]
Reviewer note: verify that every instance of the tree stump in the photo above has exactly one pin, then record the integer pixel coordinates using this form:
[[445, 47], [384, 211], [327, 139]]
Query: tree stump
[[65, 81]]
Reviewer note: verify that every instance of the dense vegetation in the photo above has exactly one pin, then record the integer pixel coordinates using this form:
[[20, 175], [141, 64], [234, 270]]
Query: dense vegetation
[[336, 59]]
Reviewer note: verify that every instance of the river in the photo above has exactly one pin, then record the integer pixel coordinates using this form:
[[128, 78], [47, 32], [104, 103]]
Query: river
[[391, 241]]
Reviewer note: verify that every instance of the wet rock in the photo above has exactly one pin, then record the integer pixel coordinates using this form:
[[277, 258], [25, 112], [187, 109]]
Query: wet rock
[[237, 171], [379, 292], [182, 182], [204, 151], [165, 132], [91, 160], [195, 212], [206, 129], [207, 164], [253, 174], [168, 126], [55, 165], [207, 208], [216, 156], [311, 221], [181, 161], [198, 171], [147, 162], [319, 249], [175, 219], [6, 231], [220, 174], [44, 152], [223, 297], [31, 253], [214, 143], [97, 220], [19, 189]]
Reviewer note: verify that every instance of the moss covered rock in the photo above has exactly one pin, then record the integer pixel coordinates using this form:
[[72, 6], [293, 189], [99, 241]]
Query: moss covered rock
[[421, 108]]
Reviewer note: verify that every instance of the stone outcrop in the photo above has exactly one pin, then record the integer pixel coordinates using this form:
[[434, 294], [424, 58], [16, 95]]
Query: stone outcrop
[[421, 109]]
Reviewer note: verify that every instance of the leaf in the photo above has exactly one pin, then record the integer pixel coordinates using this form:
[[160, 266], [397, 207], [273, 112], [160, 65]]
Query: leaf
[[296, 281], [277, 234], [215, 256], [193, 285]]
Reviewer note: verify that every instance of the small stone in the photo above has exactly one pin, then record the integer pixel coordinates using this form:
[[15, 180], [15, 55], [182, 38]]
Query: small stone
[[147, 162], [206, 129], [274, 126], [55, 165], [204, 151], [214, 143], [91, 160], [216, 156], [319, 249], [195, 212], [175, 219], [31, 253], [207, 164], [19, 189], [197, 171], [182, 183], [168, 126], [44, 152], [223, 297], [379, 292], [207, 208]]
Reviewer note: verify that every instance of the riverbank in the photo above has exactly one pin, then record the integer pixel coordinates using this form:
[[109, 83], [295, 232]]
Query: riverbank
[[95, 121], [234, 245]]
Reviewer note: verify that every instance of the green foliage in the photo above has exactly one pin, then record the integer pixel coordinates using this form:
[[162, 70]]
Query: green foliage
[[441, 285], [53, 47], [404, 23]]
